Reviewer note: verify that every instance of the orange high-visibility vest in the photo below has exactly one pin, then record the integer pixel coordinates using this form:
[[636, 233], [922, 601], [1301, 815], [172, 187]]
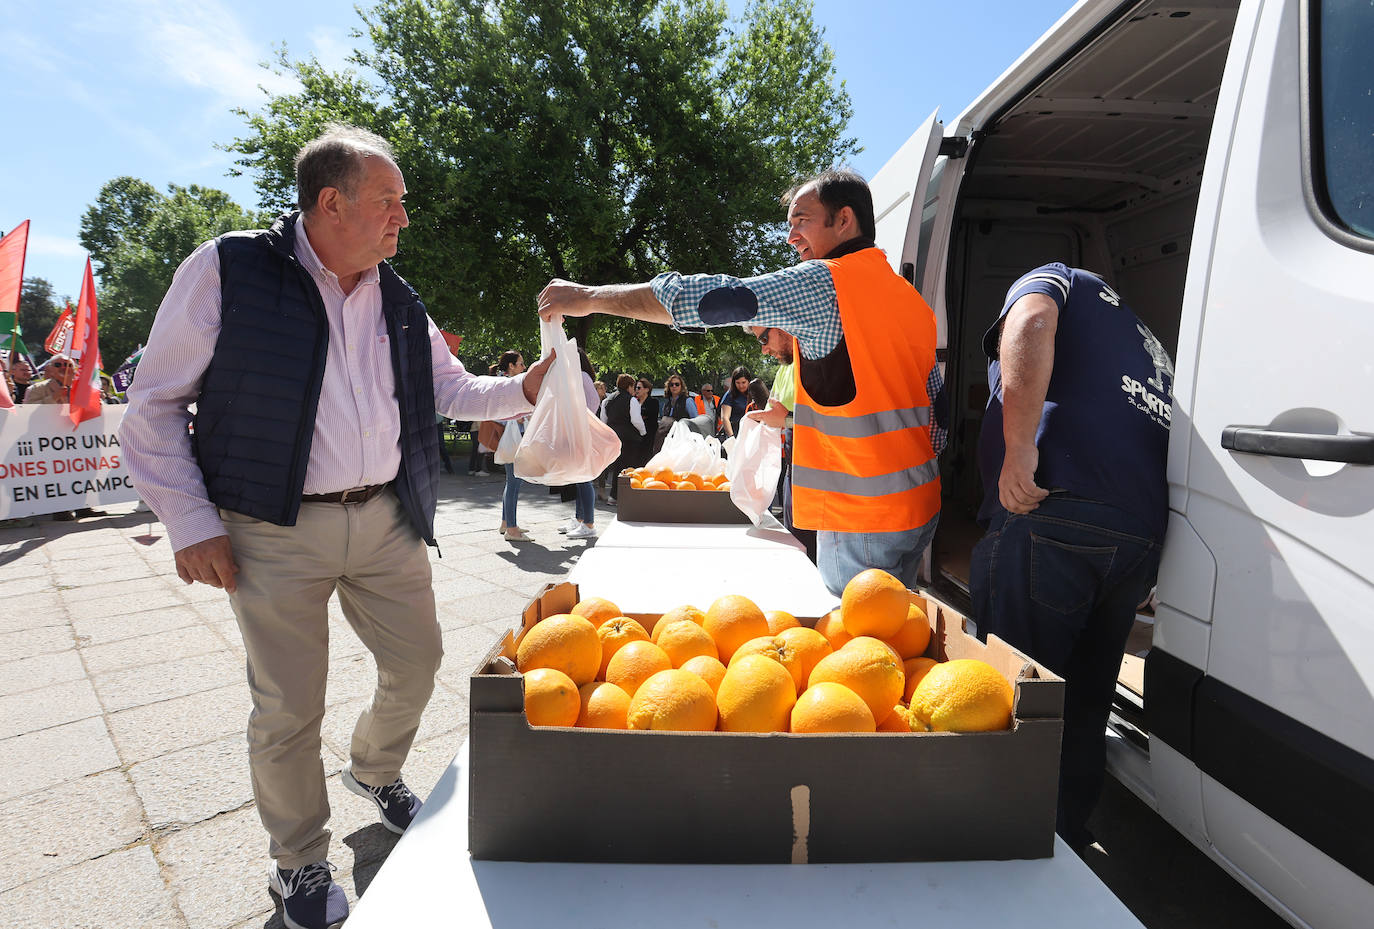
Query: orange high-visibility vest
[[867, 465]]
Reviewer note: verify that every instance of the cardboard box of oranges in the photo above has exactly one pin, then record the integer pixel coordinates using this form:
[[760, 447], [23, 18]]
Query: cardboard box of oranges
[[664, 504], [563, 792]]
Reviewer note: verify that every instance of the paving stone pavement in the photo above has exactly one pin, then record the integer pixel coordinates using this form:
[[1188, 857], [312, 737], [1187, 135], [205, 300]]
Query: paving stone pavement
[[123, 699]]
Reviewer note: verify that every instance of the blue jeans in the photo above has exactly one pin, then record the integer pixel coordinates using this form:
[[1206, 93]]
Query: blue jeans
[[1061, 584], [511, 497], [841, 555], [585, 508]]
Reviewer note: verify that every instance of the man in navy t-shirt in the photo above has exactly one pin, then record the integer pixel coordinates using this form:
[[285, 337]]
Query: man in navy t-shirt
[[1072, 455]]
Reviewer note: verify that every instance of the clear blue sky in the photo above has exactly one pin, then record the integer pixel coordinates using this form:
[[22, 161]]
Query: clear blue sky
[[145, 88]]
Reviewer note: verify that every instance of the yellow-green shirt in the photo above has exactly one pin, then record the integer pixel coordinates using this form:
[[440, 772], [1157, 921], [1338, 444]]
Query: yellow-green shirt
[[785, 386]]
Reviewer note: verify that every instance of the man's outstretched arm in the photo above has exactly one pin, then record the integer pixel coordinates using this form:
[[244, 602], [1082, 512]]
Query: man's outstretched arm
[[629, 301]]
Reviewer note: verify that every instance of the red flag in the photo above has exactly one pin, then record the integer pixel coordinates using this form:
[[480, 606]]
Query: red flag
[[12, 250], [453, 341], [85, 355], [56, 342]]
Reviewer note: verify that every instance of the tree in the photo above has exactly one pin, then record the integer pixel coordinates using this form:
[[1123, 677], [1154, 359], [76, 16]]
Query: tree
[[137, 237], [39, 309], [596, 140]]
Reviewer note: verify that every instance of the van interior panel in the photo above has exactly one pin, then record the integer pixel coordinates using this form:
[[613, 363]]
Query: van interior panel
[[1098, 164]]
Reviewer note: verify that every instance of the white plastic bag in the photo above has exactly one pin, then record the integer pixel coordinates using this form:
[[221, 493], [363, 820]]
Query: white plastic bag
[[676, 452], [754, 466], [564, 442], [505, 450]]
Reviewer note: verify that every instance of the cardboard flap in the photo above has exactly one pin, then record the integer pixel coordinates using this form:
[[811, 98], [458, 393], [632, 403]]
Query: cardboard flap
[[502, 690]]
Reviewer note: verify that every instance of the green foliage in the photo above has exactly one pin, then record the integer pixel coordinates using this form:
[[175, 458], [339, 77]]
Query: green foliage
[[39, 309], [595, 140], [137, 237]]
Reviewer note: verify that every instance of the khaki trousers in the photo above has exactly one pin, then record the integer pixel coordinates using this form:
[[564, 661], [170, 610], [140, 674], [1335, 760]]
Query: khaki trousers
[[371, 555]]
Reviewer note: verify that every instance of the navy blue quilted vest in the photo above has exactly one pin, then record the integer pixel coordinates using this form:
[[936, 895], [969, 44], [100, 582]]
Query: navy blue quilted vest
[[255, 416]]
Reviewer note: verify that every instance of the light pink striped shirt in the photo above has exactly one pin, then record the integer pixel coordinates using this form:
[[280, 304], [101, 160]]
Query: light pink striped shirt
[[357, 425]]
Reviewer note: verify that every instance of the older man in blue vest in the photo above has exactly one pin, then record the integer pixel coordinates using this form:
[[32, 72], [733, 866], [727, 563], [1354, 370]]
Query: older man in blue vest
[[310, 466]]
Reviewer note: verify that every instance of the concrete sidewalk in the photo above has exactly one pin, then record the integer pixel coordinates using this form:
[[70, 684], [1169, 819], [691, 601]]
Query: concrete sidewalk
[[123, 705]]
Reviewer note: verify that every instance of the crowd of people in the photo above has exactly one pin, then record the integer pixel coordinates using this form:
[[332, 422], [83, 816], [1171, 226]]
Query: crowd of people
[[640, 419]]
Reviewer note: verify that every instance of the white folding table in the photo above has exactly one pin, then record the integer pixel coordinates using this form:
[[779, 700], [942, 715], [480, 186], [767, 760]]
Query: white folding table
[[652, 567]]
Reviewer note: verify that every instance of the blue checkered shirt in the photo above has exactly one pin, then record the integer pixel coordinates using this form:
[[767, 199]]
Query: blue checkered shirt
[[800, 299]]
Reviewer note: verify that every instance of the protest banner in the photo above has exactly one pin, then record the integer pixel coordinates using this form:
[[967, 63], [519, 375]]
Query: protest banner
[[46, 466]]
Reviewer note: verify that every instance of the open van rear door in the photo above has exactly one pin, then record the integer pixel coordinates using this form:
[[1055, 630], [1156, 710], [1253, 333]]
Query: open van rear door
[[899, 194]]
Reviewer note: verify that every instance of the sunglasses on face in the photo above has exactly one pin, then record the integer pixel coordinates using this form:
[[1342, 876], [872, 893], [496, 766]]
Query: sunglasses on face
[[58, 365], [765, 335], [674, 384]]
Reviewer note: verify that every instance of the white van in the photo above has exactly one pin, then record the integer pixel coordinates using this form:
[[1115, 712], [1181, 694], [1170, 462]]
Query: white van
[[1214, 162]]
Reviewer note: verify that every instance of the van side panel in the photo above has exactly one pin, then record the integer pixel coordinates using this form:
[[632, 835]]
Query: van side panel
[[1276, 333]]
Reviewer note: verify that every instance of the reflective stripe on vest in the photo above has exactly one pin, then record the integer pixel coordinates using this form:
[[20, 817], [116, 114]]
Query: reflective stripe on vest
[[862, 427], [878, 485]]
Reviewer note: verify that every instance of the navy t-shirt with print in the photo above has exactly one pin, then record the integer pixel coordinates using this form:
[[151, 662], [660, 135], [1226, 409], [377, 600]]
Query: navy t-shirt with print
[[1104, 430]]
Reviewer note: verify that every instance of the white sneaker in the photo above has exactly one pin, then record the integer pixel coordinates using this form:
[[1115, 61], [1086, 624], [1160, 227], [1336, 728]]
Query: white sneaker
[[572, 523], [583, 531], [484, 474]]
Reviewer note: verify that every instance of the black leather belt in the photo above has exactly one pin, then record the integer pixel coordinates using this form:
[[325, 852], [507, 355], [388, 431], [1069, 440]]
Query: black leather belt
[[352, 495]]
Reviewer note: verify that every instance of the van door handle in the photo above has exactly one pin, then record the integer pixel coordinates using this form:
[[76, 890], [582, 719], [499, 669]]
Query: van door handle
[[1256, 440]]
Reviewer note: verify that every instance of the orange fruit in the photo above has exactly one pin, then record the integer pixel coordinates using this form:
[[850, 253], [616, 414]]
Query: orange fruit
[[675, 699], [637, 483], [801, 651], [683, 640], [915, 669], [696, 479], [756, 695], [634, 664], [778, 620], [797, 649], [899, 720], [641, 473], [869, 668], [597, 609], [964, 695], [563, 641], [874, 603], [707, 668], [666, 475], [685, 485], [765, 645], [831, 707], [614, 634], [655, 485], [602, 706], [672, 616], [832, 627], [913, 637], [723, 485], [551, 698], [733, 620]]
